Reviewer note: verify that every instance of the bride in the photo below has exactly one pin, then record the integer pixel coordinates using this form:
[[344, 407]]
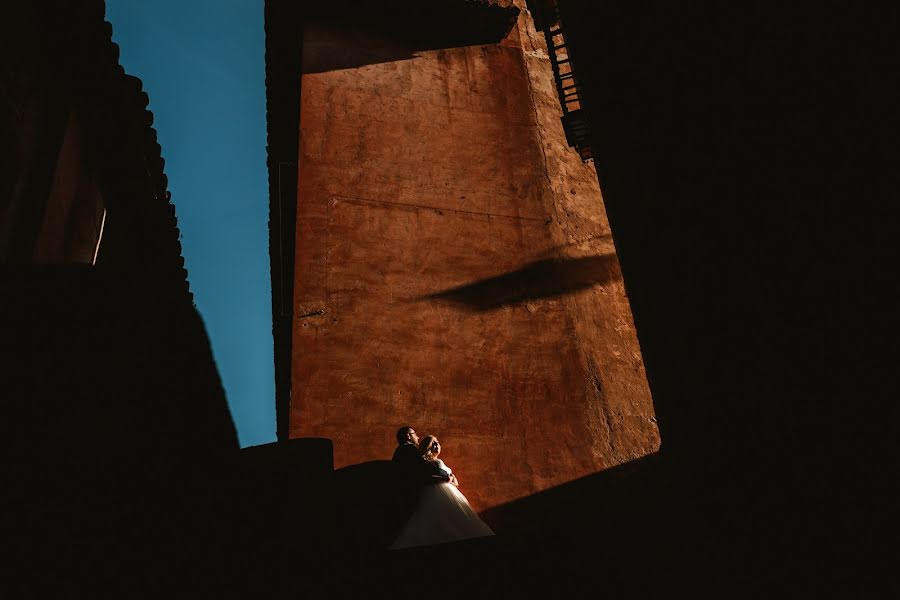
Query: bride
[[443, 514]]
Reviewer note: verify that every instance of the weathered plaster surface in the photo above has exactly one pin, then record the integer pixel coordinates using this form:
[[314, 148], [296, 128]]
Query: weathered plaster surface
[[422, 173]]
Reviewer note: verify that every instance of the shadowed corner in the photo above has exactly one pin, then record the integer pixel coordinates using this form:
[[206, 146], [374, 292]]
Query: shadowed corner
[[357, 33], [546, 278], [569, 504]]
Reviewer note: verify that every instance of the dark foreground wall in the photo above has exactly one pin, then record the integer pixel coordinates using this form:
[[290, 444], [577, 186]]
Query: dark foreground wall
[[113, 418], [744, 191], [736, 150]]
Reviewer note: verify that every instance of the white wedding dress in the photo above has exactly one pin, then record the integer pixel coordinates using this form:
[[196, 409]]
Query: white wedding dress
[[443, 515]]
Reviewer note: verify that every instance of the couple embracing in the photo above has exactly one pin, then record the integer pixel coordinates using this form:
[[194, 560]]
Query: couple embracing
[[442, 513]]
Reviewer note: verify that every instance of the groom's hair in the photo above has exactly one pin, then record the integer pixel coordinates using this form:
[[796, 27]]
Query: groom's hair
[[401, 434]]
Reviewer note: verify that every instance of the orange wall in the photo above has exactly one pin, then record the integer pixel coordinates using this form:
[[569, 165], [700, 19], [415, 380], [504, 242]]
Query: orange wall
[[424, 172]]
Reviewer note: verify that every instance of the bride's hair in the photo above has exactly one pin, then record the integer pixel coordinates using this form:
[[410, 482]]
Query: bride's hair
[[430, 447]]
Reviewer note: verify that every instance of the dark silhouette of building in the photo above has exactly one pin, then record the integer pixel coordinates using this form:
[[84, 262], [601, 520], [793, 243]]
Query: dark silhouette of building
[[120, 463]]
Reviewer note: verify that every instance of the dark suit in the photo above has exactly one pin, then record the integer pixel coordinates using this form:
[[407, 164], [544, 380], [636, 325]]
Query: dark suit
[[415, 467], [406, 452]]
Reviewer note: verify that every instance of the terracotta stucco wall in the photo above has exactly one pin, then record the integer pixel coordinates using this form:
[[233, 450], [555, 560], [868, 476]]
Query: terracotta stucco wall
[[455, 270]]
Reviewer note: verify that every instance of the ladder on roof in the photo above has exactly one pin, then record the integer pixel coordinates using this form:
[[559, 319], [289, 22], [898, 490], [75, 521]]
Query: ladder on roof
[[571, 97]]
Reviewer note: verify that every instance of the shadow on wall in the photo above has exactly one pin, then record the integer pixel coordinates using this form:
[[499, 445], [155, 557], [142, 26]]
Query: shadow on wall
[[546, 278], [355, 34], [334, 47]]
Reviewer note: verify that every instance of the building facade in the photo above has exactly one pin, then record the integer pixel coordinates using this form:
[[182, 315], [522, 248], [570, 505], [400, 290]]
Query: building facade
[[454, 268]]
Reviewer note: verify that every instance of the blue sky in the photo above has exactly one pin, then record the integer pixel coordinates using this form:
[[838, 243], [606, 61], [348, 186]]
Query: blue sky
[[202, 64]]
